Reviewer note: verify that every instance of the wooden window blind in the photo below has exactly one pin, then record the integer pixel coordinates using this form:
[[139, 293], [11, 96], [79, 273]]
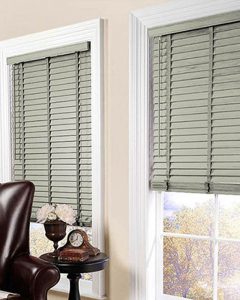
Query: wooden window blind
[[52, 136], [196, 106]]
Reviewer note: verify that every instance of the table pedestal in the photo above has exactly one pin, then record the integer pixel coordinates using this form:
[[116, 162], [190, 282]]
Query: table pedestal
[[74, 293], [74, 270]]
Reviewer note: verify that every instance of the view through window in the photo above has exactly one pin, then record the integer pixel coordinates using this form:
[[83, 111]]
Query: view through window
[[201, 244]]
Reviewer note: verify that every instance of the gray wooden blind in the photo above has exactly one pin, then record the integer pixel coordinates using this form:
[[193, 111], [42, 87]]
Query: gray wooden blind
[[196, 108], [52, 113]]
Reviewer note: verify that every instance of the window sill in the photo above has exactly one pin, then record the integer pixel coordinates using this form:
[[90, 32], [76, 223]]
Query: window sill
[[169, 297]]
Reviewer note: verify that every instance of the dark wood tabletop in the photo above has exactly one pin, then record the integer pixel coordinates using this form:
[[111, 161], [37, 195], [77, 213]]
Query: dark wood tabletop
[[93, 264]]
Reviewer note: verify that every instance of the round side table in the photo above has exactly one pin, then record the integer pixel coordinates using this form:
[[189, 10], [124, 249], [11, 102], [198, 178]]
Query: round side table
[[74, 270]]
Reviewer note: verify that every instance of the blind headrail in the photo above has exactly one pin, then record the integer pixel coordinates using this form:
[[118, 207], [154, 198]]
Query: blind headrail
[[204, 22], [79, 47]]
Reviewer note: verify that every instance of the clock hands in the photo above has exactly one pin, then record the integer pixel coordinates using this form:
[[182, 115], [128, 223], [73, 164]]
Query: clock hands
[[76, 239]]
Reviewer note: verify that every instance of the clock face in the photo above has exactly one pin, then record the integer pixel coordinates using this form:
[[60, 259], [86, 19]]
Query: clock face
[[75, 239]]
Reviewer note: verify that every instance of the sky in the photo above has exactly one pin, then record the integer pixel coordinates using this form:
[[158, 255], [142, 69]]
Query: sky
[[176, 201]]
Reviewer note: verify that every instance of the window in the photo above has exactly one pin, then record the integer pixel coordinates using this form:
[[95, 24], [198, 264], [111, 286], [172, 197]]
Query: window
[[52, 132], [59, 38], [195, 148], [145, 204], [200, 241], [52, 136]]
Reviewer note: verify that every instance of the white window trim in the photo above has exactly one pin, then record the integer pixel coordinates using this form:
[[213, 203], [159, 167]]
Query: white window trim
[[86, 31], [142, 202]]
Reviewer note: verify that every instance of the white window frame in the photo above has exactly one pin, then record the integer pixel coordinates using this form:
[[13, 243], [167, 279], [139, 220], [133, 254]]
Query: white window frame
[[85, 31], [143, 213]]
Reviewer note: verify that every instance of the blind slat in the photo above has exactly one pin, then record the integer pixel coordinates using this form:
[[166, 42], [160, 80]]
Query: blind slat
[[196, 127], [53, 144]]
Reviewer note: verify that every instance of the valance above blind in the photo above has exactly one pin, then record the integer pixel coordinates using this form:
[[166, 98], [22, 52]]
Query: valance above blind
[[52, 127], [196, 106]]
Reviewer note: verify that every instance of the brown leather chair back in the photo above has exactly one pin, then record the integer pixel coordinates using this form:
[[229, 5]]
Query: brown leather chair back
[[15, 210]]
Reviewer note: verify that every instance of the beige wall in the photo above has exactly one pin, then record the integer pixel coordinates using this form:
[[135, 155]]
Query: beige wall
[[21, 17]]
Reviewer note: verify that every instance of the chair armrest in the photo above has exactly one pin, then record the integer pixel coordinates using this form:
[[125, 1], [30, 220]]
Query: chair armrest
[[32, 277]]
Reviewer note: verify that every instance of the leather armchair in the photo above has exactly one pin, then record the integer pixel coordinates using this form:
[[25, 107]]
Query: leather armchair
[[20, 272]]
